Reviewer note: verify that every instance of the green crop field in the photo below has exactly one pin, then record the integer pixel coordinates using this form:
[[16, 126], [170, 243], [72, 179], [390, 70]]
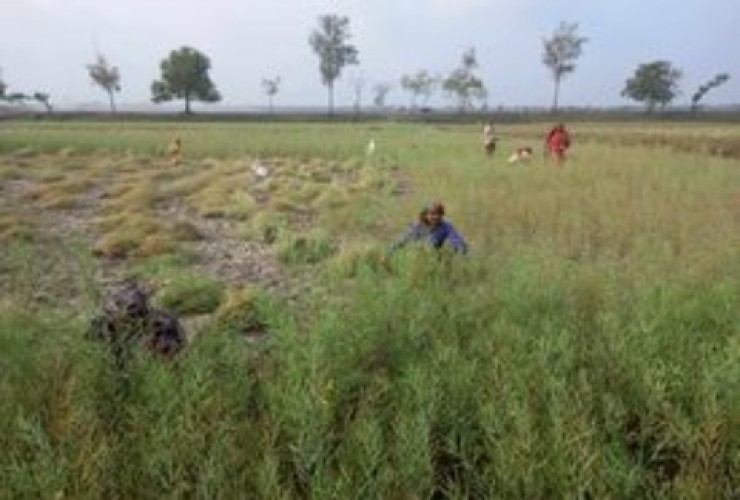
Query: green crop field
[[587, 347]]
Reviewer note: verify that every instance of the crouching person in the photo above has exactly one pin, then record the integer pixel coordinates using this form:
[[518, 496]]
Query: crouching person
[[129, 321], [434, 230]]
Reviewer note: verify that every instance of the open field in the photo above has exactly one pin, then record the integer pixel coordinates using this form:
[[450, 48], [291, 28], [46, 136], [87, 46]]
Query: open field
[[588, 347]]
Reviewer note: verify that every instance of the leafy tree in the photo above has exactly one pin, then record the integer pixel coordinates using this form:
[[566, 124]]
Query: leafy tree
[[185, 76], [271, 86], [44, 99], [718, 80], [19, 97], [330, 43], [653, 83], [3, 88], [106, 77], [463, 84], [16, 97], [421, 84], [381, 93], [560, 52]]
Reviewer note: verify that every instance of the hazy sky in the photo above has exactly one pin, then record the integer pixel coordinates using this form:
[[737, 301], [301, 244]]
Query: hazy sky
[[45, 45]]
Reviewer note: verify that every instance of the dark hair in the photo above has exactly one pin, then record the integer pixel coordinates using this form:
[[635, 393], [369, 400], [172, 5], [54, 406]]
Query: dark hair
[[132, 301], [435, 207]]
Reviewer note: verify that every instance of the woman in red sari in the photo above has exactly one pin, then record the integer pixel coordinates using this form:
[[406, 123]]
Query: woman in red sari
[[557, 142]]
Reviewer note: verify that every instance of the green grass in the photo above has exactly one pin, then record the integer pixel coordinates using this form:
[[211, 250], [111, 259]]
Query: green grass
[[588, 347]]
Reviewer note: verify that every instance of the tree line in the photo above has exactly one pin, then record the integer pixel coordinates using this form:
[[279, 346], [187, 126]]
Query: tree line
[[184, 75]]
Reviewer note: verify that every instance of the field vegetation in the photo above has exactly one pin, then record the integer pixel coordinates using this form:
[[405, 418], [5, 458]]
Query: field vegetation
[[588, 347]]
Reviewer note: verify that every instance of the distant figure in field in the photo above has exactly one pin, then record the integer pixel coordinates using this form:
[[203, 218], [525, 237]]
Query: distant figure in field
[[521, 155], [489, 139], [260, 169], [370, 149], [175, 151], [434, 230], [556, 143]]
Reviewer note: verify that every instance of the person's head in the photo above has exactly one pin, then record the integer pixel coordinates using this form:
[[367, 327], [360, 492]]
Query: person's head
[[129, 302], [432, 214]]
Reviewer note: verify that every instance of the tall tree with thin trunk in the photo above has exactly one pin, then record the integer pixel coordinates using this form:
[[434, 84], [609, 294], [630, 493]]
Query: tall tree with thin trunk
[[464, 85], [271, 86], [106, 77], [330, 42], [358, 85], [3, 86], [560, 53]]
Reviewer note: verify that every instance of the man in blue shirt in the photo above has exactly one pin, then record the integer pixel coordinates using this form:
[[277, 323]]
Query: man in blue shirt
[[434, 229]]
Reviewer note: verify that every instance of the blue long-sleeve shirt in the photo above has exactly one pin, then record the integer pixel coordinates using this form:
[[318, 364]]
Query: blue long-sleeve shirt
[[436, 236]]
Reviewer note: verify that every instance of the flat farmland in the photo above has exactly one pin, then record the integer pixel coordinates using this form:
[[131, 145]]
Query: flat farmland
[[587, 347]]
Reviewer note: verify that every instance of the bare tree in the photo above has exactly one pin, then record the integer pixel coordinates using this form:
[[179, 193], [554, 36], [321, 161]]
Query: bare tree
[[271, 86], [3, 86], [106, 77], [330, 43], [560, 53], [358, 85]]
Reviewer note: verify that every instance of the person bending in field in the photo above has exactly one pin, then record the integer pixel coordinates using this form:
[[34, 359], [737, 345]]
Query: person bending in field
[[128, 321], [556, 143], [489, 139], [175, 151], [433, 229], [521, 155]]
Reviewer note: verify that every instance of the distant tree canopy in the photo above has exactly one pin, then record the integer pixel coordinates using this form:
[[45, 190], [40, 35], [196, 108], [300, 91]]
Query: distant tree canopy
[[463, 85], [44, 99], [19, 97], [185, 76], [715, 82], [106, 77], [380, 91], [271, 86], [654, 83], [330, 42], [560, 52], [421, 84]]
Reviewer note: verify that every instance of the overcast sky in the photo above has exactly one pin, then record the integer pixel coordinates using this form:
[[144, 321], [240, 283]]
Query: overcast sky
[[45, 45]]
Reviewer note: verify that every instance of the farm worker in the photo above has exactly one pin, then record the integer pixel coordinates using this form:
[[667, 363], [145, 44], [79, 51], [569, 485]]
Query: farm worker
[[432, 227], [128, 320], [557, 142], [175, 151], [489, 139]]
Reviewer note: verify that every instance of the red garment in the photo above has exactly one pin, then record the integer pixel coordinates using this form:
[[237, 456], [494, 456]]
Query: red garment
[[557, 142]]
